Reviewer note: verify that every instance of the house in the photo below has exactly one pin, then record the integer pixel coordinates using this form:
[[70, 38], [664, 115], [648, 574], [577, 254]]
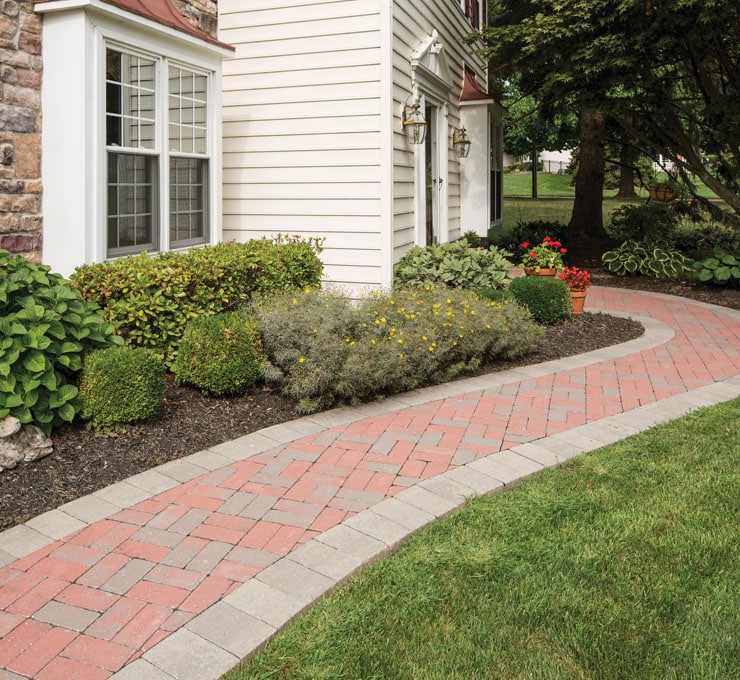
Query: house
[[132, 125], [313, 107]]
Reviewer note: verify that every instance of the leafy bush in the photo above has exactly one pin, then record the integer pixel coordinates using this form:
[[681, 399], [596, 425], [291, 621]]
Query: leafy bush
[[699, 238], [547, 298], [533, 231], [150, 299], [722, 268], [495, 294], [652, 223], [121, 385], [453, 264], [45, 329], [324, 349], [219, 354], [472, 238], [633, 257]]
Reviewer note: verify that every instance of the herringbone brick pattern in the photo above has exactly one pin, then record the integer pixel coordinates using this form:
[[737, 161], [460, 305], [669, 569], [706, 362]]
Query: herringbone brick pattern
[[87, 605]]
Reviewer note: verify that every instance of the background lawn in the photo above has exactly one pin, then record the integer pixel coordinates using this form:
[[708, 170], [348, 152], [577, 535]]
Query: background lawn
[[621, 564]]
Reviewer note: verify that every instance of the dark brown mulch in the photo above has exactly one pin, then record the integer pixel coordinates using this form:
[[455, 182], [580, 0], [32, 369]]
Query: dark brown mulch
[[189, 422]]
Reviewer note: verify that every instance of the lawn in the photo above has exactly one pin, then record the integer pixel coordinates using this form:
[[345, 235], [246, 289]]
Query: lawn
[[621, 564], [518, 209]]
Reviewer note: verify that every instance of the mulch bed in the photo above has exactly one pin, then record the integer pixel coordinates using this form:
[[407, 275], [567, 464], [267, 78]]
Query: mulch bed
[[189, 422]]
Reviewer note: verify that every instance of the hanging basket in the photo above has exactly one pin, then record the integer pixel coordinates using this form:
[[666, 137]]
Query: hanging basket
[[662, 194], [579, 299]]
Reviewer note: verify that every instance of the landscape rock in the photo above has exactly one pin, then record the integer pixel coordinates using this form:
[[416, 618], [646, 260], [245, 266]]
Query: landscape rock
[[20, 442]]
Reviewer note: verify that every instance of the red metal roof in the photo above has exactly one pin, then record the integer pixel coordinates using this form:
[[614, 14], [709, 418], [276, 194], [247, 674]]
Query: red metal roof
[[163, 12], [471, 90]]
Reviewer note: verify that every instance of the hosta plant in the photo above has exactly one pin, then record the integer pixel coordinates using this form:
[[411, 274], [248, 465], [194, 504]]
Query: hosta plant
[[454, 265], [634, 257], [45, 330], [722, 268]]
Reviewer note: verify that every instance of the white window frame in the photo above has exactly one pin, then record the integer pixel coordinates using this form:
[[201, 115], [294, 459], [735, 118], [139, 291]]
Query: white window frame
[[75, 38]]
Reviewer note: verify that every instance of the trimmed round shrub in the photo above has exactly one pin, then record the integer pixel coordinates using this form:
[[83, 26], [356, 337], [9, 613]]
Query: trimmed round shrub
[[651, 222], [219, 354], [547, 298], [121, 385]]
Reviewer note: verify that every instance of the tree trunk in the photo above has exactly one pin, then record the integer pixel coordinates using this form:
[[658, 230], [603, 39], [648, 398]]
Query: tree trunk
[[534, 173], [627, 157], [586, 218]]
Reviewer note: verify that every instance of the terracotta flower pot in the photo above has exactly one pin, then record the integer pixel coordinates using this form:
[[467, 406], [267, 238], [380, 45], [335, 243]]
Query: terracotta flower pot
[[529, 271], [579, 299]]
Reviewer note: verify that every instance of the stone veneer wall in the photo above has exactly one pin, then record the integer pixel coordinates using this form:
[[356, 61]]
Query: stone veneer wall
[[20, 128], [20, 118]]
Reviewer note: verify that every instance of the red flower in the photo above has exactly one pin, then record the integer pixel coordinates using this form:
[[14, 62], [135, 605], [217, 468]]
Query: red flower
[[524, 245], [563, 251], [533, 254]]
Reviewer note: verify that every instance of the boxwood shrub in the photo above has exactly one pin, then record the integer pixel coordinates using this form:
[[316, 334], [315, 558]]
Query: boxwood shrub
[[150, 299], [547, 298], [219, 354], [120, 385]]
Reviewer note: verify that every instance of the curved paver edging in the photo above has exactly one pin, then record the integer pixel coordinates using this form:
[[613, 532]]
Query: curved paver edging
[[22, 540], [238, 622]]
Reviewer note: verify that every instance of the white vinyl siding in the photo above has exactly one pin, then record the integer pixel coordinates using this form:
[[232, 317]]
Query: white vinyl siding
[[302, 129]]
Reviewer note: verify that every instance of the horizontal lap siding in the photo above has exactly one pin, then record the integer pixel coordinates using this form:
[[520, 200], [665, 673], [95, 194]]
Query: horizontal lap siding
[[413, 21], [301, 125]]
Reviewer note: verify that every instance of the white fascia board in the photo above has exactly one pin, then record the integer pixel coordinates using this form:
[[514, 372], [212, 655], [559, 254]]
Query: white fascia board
[[111, 11]]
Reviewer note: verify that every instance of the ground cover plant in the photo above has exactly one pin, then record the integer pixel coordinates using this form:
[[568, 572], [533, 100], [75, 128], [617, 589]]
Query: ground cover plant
[[621, 564], [324, 349]]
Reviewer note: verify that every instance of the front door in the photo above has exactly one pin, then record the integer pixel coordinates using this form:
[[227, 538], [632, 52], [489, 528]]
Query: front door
[[432, 175]]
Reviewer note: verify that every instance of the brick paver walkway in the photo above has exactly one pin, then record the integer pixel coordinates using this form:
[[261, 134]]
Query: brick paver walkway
[[180, 571]]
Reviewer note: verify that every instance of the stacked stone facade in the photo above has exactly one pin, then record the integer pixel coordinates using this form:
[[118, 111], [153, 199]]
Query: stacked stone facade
[[20, 118], [20, 128], [200, 13]]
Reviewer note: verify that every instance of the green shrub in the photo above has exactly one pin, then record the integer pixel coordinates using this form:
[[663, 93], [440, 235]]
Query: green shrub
[[45, 329], [495, 294], [722, 268], [150, 299], [533, 231], [633, 257], [651, 223], [121, 385], [701, 238], [547, 298], [219, 354], [324, 349], [472, 238], [455, 265]]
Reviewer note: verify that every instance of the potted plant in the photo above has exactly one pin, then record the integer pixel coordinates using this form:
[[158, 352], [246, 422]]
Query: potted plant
[[578, 281], [544, 259]]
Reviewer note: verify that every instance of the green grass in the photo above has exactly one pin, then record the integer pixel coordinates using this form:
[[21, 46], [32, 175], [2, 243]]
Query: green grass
[[551, 209], [621, 564]]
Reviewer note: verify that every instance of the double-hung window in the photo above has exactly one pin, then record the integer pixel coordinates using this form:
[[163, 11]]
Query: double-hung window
[[157, 139], [475, 11]]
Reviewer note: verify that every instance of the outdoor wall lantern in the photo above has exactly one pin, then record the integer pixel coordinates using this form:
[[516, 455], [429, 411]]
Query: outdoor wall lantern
[[414, 125], [460, 142]]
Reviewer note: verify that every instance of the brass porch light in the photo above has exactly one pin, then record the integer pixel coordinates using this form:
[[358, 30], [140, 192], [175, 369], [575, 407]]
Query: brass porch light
[[460, 142], [414, 125]]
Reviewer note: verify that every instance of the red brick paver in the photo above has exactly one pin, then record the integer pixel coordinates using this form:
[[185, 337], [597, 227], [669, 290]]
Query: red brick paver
[[87, 605]]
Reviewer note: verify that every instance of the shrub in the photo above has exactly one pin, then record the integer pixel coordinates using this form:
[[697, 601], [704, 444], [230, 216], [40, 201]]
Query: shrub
[[472, 238], [533, 231], [45, 329], [652, 223], [455, 265], [326, 350], [121, 385], [547, 298], [633, 257], [219, 354], [722, 268], [150, 299], [701, 238], [495, 294]]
